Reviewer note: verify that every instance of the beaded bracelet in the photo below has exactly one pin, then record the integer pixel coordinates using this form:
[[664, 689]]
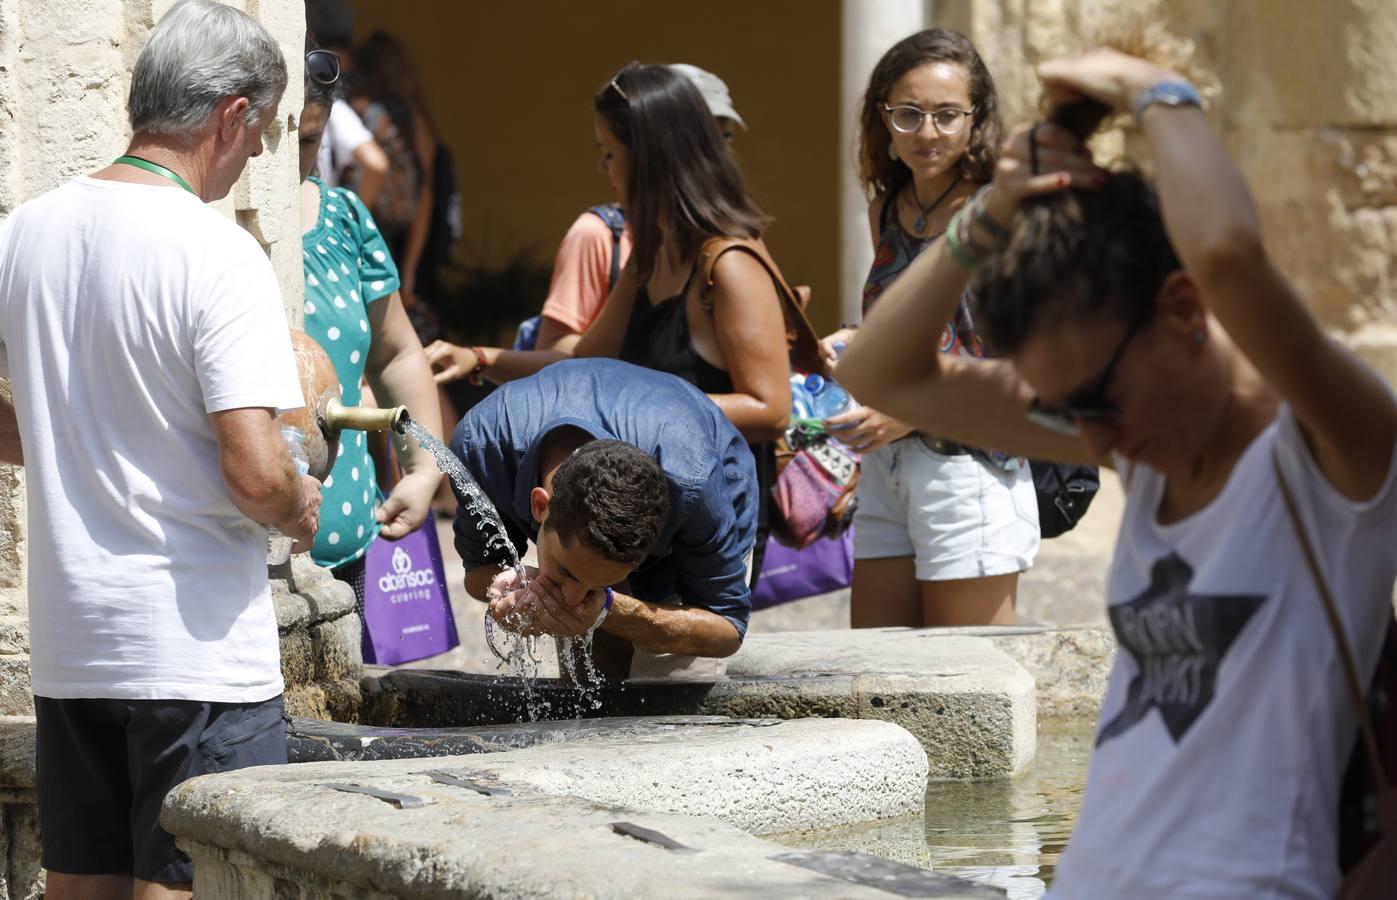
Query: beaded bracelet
[[997, 232], [953, 237]]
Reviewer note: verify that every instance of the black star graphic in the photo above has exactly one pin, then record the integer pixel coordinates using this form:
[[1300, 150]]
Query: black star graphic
[[1178, 639]]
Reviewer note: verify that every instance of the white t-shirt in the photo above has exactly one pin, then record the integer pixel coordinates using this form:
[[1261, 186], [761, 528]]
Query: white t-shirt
[[1227, 725], [344, 133], [128, 314]]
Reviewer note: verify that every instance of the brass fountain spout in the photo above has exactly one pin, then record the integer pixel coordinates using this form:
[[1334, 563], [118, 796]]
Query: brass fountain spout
[[336, 417]]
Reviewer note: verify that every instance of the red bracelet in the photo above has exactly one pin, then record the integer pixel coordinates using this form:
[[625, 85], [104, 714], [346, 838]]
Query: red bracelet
[[474, 376]]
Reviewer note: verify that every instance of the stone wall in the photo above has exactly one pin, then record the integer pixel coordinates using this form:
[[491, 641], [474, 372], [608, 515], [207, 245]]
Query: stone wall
[[1306, 98], [64, 72]]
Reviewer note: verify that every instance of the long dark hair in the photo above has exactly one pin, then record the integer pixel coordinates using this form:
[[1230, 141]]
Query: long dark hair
[[881, 174], [681, 170]]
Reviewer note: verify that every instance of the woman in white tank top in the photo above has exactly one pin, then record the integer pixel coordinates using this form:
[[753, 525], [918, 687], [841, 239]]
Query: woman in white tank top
[[1144, 326]]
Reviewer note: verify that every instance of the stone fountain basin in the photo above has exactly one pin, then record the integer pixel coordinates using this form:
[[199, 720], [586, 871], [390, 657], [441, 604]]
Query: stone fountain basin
[[626, 808], [970, 696]]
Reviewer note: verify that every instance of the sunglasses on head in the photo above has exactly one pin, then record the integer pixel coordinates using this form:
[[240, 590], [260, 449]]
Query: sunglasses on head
[[323, 66], [615, 83], [1091, 402]]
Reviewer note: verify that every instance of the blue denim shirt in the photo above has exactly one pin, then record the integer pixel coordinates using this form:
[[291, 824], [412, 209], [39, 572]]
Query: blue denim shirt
[[701, 554]]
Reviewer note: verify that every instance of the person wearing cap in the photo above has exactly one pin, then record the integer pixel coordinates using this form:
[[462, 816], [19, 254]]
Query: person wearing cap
[[585, 269]]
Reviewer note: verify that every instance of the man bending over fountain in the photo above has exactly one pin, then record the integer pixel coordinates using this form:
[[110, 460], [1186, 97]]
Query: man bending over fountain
[[626, 479]]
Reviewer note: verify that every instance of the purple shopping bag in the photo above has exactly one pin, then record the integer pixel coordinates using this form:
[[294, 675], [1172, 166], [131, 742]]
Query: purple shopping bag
[[407, 611], [790, 574]]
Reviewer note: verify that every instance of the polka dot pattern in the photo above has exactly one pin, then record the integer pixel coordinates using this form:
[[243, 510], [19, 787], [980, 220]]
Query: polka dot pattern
[[346, 262]]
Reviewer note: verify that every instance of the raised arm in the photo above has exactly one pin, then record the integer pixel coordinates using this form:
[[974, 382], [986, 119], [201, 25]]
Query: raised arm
[[894, 359], [1344, 409]]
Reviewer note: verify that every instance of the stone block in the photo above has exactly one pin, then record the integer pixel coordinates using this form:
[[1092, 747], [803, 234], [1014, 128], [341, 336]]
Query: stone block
[[16, 695], [1295, 64], [23, 876], [14, 635], [339, 701], [1328, 203], [545, 838], [1069, 665], [971, 705], [12, 531], [297, 658], [336, 649], [17, 753]]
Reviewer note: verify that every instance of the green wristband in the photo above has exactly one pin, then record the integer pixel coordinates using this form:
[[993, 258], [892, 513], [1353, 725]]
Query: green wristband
[[965, 260]]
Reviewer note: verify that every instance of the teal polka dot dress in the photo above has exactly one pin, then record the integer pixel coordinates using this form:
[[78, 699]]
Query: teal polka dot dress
[[347, 267]]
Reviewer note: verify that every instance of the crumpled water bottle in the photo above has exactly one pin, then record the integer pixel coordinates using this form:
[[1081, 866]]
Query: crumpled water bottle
[[278, 544], [827, 398]]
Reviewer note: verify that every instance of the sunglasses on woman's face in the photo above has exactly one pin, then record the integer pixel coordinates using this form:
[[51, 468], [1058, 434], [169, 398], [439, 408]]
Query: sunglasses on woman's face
[[323, 66], [1089, 403]]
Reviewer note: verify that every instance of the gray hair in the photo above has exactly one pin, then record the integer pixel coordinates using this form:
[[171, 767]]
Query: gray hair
[[199, 53]]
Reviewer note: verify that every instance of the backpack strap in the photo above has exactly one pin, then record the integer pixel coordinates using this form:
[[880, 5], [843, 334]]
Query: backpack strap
[[802, 341], [611, 214]]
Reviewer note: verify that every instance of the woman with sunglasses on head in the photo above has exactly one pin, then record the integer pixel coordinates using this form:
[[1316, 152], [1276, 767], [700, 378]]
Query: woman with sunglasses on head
[[354, 311], [680, 186], [943, 529], [1150, 320]]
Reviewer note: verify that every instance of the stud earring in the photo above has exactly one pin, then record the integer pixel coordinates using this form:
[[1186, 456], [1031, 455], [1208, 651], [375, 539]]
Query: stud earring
[[1199, 337]]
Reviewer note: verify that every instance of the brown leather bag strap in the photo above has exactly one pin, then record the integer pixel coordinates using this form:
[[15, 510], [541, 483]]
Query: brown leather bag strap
[[1331, 612], [802, 341]]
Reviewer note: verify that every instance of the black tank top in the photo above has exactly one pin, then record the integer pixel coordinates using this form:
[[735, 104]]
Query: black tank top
[[658, 337]]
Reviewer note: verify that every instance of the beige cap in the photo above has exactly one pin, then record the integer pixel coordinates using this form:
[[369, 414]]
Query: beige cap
[[714, 90]]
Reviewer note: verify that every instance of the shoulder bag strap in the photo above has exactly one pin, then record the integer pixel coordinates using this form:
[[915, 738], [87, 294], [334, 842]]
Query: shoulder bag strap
[[1331, 612], [802, 342]]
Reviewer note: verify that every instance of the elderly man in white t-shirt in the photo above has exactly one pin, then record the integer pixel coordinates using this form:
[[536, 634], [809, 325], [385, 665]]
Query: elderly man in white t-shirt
[[148, 352]]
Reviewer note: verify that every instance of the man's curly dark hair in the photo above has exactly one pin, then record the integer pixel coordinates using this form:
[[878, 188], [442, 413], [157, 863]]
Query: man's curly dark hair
[[613, 496], [1072, 256]]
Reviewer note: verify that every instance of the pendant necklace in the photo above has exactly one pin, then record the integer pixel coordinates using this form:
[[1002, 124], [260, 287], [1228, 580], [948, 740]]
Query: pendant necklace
[[920, 224]]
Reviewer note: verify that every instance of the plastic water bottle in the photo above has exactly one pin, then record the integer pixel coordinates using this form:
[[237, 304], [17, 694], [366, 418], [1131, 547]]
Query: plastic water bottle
[[828, 399], [278, 544]]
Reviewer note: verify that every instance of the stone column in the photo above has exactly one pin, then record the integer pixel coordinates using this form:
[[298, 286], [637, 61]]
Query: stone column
[[869, 28]]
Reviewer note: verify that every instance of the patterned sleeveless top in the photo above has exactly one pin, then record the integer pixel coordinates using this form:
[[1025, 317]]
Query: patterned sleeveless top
[[896, 250]]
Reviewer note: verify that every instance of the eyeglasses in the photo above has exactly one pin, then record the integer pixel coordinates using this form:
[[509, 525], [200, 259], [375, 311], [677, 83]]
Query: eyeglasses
[[323, 66], [1089, 403], [949, 120]]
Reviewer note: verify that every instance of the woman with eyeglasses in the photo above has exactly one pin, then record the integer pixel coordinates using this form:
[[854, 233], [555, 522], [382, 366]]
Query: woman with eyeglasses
[[1146, 327], [353, 309], [943, 529]]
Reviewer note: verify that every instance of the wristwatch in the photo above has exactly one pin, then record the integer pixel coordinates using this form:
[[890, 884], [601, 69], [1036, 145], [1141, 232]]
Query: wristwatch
[[1167, 93]]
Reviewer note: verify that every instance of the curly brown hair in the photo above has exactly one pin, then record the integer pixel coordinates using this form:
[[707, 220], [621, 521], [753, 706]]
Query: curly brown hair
[[881, 174]]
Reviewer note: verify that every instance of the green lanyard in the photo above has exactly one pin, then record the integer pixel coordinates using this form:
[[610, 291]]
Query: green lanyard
[[155, 168]]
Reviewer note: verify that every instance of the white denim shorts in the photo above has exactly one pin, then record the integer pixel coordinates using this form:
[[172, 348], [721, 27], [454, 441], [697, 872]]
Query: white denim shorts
[[957, 516]]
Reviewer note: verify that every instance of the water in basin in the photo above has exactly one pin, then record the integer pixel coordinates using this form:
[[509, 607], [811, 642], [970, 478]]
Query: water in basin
[[1004, 833]]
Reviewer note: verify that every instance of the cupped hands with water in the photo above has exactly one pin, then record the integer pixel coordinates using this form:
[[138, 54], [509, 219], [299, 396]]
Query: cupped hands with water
[[539, 606]]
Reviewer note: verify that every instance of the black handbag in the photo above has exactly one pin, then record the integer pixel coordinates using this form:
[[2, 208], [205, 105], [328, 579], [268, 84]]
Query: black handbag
[[1064, 492]]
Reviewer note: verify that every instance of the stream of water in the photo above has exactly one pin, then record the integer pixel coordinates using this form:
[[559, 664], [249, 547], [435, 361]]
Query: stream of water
[[519, 658]]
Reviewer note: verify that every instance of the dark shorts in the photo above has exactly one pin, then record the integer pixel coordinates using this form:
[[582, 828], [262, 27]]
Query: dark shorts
[[105, 766]]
